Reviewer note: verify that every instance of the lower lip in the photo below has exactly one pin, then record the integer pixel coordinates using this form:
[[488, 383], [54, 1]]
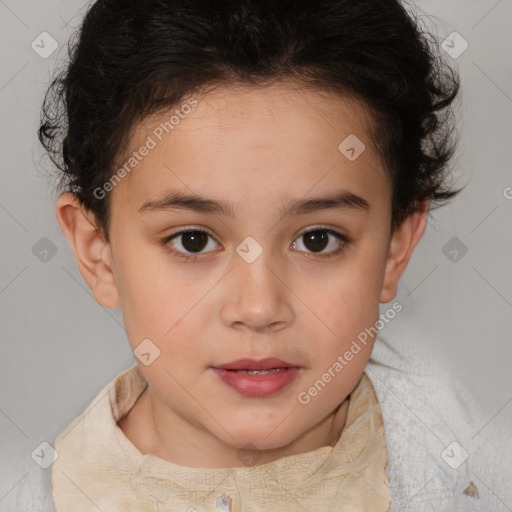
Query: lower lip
[[257, 385]]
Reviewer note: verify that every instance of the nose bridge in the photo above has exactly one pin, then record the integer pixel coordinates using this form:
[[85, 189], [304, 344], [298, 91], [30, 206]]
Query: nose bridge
[[256, 280], [258, 298], [255, 257]]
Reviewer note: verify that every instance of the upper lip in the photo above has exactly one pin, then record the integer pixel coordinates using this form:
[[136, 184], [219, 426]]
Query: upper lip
[[253, 364]]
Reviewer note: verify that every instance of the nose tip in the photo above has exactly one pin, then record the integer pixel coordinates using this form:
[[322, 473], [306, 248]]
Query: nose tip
[[256, 298], [260, 310]]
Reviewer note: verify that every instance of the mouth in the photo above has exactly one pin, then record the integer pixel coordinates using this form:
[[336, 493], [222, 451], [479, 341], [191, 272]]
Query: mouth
[[259, 372], [269, 363], [254, 378]]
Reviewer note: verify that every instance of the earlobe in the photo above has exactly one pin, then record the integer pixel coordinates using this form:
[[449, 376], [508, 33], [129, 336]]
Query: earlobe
[[402, 244], [91, 250]]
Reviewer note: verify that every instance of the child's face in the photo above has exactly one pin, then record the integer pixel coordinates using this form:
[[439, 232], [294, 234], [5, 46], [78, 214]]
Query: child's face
[[255, 150]]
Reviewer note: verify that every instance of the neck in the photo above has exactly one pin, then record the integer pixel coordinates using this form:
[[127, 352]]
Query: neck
[[154, 428]]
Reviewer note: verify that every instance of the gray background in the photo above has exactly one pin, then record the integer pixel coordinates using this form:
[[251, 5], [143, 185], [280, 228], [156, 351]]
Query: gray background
[[59, 347]]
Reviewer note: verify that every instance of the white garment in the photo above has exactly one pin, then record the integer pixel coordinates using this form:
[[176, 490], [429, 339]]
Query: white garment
[[424, 410]]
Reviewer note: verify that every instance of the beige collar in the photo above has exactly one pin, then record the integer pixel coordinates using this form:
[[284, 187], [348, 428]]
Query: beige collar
[[97, 465]]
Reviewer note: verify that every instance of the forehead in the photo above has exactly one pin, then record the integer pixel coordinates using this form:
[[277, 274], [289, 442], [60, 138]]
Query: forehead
[[269, 143]]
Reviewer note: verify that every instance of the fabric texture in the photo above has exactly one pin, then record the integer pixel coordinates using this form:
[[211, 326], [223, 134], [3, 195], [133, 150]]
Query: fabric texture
[[99, 468], [445, 452], [424, 410]]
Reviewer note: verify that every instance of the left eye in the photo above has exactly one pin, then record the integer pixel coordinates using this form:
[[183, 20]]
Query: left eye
[[317, 240]]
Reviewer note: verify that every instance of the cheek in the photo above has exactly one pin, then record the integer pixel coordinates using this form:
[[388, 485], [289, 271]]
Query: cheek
[[155, 296], [349, 299], [346, 309]]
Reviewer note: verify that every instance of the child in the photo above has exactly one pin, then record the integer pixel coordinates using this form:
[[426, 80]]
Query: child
[[302, 143]]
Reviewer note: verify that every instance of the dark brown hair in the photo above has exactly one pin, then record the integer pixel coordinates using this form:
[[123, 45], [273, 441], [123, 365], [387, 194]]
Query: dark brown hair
[[130, 59]]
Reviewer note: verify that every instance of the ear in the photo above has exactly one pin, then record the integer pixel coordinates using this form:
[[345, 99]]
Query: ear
[[92, 252], [401, 246]]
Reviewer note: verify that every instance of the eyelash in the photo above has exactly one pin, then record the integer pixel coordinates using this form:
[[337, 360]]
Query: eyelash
[[342, 238]]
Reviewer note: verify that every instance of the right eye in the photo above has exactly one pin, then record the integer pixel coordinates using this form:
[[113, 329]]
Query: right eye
[[188, 243]]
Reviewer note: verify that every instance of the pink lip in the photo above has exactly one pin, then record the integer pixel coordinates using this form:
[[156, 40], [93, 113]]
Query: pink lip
[[253, 364], [257, 385]]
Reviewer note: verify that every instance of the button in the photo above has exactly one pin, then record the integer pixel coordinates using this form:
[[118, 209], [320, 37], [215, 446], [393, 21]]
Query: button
[[223, 503]]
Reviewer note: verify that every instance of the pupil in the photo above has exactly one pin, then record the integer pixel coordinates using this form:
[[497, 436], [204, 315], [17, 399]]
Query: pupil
[[318, 240], [194, 240]]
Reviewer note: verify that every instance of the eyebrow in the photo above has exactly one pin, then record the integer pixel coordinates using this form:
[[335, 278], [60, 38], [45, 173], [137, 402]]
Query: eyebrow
[[343, 199]]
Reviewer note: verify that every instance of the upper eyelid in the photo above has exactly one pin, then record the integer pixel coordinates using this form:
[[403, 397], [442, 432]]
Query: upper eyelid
[[307, 230], [187, 230]]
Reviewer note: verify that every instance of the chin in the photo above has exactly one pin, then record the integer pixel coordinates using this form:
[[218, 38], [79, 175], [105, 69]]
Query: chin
[[259, 437]]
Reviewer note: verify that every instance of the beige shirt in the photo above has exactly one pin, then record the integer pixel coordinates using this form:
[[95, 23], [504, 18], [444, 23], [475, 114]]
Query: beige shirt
[[96, 467]]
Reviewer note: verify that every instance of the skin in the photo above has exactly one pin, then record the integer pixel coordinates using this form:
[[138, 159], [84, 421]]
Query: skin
[[256, 148]]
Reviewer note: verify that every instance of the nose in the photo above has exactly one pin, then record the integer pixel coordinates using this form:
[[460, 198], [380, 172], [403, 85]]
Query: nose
[[258, 298]]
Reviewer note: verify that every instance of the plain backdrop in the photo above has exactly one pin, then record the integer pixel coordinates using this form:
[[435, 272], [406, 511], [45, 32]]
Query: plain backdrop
[[59, 347]]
